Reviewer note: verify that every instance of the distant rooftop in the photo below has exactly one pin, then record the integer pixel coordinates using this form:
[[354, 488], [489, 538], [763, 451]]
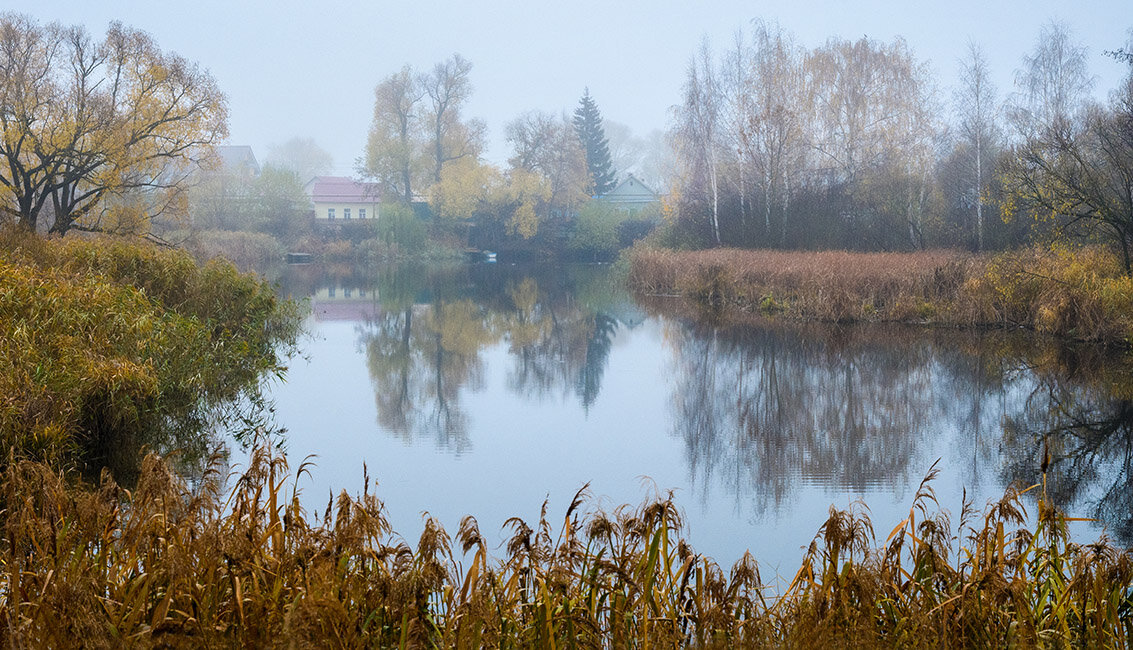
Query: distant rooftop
[[340, 189], [239, 157], [630, 190]]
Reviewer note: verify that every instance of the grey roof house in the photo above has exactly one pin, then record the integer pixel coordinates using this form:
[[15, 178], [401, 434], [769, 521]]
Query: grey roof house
[[630, 194]]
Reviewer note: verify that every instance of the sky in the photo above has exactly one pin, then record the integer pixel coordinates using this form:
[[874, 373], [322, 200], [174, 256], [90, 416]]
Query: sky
[[308, 69]]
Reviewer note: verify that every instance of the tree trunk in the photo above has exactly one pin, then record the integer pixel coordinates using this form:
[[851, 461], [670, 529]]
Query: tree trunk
[[979, 198], [715, 200]]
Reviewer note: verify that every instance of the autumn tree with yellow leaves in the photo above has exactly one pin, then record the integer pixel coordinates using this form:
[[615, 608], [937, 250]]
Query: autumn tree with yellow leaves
[[1074, 162], [99, 135], [511, 204]]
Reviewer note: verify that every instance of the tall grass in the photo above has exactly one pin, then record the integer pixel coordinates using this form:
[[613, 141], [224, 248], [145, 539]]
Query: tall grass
[[169, 565], [242, 248], [1077, 293]]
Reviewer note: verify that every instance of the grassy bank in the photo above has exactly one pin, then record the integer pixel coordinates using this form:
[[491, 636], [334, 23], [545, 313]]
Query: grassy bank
[[166, 565], [106, 346], [1075, 293], [253, 250]]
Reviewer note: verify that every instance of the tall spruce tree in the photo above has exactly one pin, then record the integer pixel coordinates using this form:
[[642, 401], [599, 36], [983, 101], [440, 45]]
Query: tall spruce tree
[[588, 125]]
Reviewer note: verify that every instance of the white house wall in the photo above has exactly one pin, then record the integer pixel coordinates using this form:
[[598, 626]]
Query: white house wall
[[322, 211]]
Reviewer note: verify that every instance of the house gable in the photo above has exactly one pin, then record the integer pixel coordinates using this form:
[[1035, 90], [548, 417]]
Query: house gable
[[630, 194]]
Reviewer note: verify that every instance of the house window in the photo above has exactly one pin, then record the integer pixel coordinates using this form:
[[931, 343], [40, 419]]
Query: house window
[[330, 213], [361, 213], [346, 292], [330, 290], [346, 213]]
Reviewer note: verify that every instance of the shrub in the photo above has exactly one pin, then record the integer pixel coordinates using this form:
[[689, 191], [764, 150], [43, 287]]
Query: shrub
[[245, 249], [402, 231], [106, 346]]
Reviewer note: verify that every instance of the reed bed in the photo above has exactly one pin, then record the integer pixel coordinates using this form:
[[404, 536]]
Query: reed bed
[[1079, 293], [825, 285], [171, 565]]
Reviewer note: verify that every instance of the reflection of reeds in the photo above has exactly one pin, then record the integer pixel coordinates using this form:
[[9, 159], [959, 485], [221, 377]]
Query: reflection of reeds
[[164, 565], [1080, 293]]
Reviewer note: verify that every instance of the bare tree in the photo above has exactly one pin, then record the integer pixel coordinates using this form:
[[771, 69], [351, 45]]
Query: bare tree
[[697, 134], [303, 157], [548, 145], [627, 150], [735, 82], [447, 88], [775, 131], [978, 129], [875, 122], [532, 137], [1053, 82]]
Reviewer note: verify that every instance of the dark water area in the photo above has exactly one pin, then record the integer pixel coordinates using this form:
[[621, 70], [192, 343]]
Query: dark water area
[[488, 389]]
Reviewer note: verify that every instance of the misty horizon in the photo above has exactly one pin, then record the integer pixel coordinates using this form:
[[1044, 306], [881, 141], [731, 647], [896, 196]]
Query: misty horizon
[[299, 71]]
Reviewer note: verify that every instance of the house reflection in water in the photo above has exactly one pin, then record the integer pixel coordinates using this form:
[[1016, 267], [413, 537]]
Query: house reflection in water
[[344, 303]]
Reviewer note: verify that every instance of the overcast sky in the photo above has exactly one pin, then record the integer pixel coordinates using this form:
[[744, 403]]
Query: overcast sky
[[308, 68]]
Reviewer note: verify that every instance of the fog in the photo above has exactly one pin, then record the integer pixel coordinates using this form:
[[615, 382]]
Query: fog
[[309, 69]]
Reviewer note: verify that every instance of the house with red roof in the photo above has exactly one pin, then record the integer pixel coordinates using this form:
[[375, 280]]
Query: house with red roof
[[338, 199]]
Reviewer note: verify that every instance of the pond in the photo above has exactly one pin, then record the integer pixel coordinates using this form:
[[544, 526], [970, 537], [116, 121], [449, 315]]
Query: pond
[[489, 389]]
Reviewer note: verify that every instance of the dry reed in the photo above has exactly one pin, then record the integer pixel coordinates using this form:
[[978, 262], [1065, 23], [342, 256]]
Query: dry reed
[[1078, 293], [166, 565]]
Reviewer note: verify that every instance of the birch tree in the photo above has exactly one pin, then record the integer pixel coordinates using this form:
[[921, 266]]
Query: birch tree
[[1053, 82], [697, 134], [875, 125], [977, 129], [775, 132]]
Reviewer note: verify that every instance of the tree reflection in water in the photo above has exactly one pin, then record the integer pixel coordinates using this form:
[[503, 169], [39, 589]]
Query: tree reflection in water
[[1080, 412], [765, 409], [424, 347], [761, 409]]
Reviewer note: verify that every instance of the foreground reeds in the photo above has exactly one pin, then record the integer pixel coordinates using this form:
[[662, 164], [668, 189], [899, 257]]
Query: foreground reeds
[[167, 565], [1080, 293]]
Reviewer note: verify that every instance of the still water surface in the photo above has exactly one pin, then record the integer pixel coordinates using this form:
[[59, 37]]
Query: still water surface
[[488, 389]]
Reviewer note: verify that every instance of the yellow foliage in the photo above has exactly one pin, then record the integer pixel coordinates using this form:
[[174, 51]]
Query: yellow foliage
[[111, 128], [102, 341], [465, 185], [530, 191]]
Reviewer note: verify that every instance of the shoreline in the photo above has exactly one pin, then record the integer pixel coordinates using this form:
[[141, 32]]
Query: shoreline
[[1071, 294]]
